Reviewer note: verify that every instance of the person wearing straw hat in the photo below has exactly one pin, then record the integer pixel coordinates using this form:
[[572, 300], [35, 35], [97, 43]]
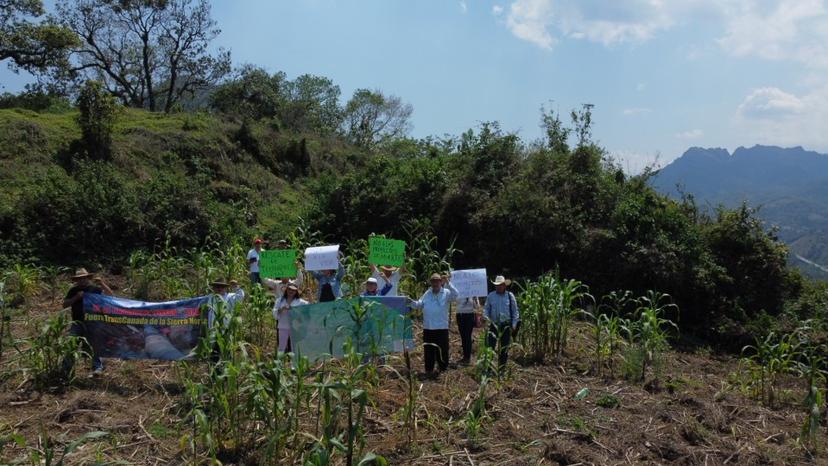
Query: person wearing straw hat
[[229, 300], [83, 283], [435, 305], [388, 279], [278, 286], [253, 261], [502, 312], [371, 287], [281, 312]]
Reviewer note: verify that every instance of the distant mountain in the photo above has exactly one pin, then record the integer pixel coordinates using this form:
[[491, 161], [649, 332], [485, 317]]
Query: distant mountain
[[790, 186]]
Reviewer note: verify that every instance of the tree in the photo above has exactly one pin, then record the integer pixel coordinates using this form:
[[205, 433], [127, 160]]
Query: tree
[[371, 117], [147, 53], [35, 47], [96, 119], [253, 93], [313, 105]]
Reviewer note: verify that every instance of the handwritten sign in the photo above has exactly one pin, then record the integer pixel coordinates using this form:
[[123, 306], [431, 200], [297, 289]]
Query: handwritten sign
[[470, 283], [278, 263], [322, 258], [386, 251]]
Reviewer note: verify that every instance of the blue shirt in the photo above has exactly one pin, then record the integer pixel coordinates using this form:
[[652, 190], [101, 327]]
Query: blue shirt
[[334, 280], [502, 308], [435, 307]]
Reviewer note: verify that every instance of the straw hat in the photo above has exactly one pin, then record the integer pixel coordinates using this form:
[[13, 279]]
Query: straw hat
[[81, 273], [219, 283], [435, 276], [500, 280], [291, 285], [388, 268]]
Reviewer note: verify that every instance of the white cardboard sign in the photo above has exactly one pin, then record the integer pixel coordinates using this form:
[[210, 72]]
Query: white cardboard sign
[[470, 283], [322, 258]]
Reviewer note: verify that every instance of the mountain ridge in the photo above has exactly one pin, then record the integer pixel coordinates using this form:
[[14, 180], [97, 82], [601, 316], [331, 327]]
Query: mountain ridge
[[789, 186]]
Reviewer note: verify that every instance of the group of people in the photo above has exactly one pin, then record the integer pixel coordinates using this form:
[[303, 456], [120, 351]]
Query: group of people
[[500, 309]]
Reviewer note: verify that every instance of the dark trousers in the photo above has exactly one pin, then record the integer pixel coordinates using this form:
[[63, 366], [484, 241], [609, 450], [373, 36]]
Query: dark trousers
[[78, 329], [255, 278], [436, 348], [465, 325], [502, 334]]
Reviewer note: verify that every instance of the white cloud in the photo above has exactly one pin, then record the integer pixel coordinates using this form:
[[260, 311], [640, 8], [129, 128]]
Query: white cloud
[[463, 7], [497, 10], [772, 116], [777, 30], [770, 102], [690, 134], [634, 162], [636, 111], [528, 19]]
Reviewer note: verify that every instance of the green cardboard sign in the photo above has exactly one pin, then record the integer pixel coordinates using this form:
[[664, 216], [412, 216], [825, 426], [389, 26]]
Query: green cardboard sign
[[386, 251], [277, 263]]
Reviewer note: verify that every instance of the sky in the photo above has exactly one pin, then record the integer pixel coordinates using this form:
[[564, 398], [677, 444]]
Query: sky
[[663, 75]]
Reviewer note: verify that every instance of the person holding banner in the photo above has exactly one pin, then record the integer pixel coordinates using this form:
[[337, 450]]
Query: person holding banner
[[228, 299], [466, 321], [329, 283], [253, 261], [371, 287], [388, 279], [281, 312], [435, 305], [502, 312], [82, 284]]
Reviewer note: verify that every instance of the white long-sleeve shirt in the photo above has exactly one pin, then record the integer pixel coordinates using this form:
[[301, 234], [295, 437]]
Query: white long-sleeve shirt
[[436, 306], [281, 311], [229, 300], [279, 288], [383, 281]]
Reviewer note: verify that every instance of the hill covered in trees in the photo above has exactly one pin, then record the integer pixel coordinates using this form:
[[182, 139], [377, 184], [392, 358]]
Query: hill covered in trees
[[788, 186]]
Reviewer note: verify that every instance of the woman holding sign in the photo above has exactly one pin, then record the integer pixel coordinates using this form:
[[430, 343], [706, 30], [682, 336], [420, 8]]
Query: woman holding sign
[[281, 312]]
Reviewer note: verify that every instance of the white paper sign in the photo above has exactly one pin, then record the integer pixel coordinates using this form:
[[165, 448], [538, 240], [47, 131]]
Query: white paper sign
[[322, 258], [470, 283]]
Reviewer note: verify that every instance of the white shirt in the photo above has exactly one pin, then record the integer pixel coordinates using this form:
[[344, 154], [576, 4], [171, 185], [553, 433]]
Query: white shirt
[[435, 307], [279, 288], [230, 300], [382, 281], [467, 305], [281, 311], [253, 254]]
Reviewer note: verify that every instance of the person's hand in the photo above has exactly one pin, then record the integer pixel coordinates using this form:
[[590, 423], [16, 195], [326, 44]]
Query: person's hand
[[98, 280], [79, 295]]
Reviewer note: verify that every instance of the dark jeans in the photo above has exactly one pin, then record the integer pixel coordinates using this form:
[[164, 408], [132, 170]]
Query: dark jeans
[[500, 333], [78, 329], [436, 348], [255, 278], [465, 325]]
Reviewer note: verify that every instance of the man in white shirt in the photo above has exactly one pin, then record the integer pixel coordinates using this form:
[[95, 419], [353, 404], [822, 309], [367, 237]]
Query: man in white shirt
[[388, 279], [253, 261], [435, 304]]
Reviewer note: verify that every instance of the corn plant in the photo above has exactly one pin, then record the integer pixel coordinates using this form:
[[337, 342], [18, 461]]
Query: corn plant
[[768, 360], [477, 415], [46, 454], [257, 318], [52, 354], [548, 308], [356, 265], [648, 336], [423, 257], [22, 282], [5, 319]]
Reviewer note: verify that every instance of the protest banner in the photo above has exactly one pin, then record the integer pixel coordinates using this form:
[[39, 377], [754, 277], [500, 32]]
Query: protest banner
[[322, 258], [277, 263], [318, 331], [386, 251], [127, 329], [470, 283]]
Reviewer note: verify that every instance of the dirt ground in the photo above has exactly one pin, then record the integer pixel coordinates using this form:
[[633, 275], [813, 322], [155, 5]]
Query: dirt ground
[[697, 414]]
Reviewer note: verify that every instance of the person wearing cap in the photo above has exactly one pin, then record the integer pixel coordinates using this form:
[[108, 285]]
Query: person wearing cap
[[371, 288], [253, 261], [388, 279], [502, 312], [281, 312], [435, 305], [229, 300], [83, 283], [465, 312], [329, 283]]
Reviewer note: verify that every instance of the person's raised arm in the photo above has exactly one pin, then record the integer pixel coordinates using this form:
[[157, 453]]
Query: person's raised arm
[[374, 270], [340, 272], [453, 294], [516, 313], [106, 289], [300, 275]]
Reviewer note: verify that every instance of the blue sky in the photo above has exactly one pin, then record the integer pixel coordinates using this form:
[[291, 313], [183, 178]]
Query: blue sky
[[663, 74]]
